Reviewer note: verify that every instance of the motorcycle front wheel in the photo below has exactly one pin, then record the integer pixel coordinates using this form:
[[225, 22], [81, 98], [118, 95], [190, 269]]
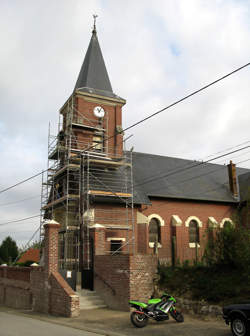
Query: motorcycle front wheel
[[177, 316], [138, 320]]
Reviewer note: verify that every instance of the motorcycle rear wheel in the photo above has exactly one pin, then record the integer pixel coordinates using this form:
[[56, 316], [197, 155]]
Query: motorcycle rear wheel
[[138, 320], [177, 316]]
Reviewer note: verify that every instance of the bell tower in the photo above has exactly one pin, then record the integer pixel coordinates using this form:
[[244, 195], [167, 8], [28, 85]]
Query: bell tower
[[89, 182], [97, 111]]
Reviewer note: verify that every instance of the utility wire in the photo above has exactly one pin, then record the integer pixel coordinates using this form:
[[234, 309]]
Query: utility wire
[[183, 181], [188, 96], [25, 247], [233, 157], [173, 104], [19, 220], [146, 118], [202, 175], [26, 180], [206, 191], [152, 179], [163, 173], [225, 150], [25, 199]]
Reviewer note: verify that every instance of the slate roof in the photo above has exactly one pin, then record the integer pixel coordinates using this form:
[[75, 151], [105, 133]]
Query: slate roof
[[169, 177], [93, 77], [244, 183]]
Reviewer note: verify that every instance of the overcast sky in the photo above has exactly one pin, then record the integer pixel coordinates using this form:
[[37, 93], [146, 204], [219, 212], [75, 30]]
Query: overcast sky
[[155, 52]]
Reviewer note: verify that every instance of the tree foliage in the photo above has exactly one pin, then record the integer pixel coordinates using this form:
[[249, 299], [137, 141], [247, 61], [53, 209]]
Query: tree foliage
[[8, 250], [229, 247]]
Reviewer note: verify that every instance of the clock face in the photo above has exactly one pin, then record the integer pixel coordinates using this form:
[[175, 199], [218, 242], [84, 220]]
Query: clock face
[[99, 112]]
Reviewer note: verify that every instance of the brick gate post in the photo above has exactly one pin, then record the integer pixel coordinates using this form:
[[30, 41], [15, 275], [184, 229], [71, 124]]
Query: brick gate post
[[51, 246]]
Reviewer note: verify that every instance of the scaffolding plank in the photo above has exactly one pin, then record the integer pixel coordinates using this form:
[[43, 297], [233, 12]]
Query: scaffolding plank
[[59, 200], [69, 166], [109, 193], [109, 163]]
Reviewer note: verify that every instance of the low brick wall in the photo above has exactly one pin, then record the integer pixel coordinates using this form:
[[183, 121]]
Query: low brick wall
[[15, 287], [32, 288], [119, 278], [63, 300], [40, 288]]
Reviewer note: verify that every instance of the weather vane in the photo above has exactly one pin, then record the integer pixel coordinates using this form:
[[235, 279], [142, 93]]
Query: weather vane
[[94, 16]]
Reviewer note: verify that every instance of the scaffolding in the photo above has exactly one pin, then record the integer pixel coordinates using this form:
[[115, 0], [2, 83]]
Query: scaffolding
[[88, 184]]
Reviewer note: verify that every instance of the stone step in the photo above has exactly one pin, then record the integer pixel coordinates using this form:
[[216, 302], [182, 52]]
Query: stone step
[[90, 300]]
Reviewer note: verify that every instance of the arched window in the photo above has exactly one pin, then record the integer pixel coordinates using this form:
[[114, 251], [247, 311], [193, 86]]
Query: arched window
[[227, 224], [154, 231], [194, 236]]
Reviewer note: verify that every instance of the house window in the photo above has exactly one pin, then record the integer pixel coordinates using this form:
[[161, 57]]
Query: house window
[[154, 231], [115, 246], [194, 236]]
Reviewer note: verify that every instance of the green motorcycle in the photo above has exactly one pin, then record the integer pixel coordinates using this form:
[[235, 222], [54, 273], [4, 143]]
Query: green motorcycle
[[157, 309]]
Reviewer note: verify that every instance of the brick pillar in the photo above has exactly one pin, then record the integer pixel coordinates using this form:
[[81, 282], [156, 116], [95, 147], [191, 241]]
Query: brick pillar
[[176, 239], [51, 246], [98, 235]]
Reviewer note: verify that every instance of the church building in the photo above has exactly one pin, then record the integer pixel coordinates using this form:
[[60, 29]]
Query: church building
[[112, 202]]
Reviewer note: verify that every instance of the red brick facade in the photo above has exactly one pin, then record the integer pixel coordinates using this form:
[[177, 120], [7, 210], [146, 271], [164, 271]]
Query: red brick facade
[[84, 105], [185, 210]]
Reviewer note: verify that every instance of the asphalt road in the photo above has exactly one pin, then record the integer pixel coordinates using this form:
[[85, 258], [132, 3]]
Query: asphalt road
[[17, 325], [102, 322]]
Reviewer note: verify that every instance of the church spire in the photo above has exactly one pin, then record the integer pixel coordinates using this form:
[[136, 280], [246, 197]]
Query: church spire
[[94, 28], [93, 76]]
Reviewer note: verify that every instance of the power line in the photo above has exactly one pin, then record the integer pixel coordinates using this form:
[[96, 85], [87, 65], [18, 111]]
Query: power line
[[19, 220], [187, 167], [25, 199], [26, 180], [225, 150], [188, 96], [206, 191], [147, 118], [27, 244], [173, 104], [201, 175], [233, 157], [243, 161], [159, 175]]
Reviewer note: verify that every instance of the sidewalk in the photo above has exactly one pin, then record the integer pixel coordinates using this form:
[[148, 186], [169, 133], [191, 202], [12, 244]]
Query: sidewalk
[[116, 323]]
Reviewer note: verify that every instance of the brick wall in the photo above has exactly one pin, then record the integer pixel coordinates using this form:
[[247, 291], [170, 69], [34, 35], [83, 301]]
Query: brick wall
[[142, 238], [40, 288], [119, 278], [117, 218], [15, 287]]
